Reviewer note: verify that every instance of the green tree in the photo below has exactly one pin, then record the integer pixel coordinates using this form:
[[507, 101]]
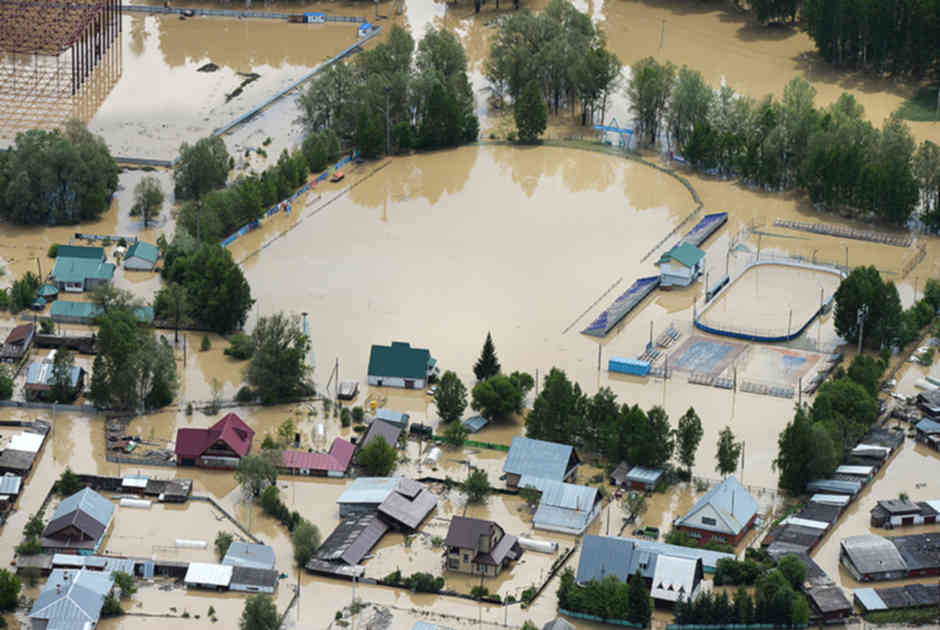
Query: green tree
[[219, 295], [56, 177], [62, 364], [24, 291], [455, 434], [125, 582], [649, 88], [793, 569], [688, 436], [497, 397], [148, 199], [259, 613], [256, 472], [241, 347], [223, 540], [847, 408], [728, 453], [556, 412], [863, 291], [450, 397], [800, 610], [111, 606], [278, 366], [805, 452], [866, 371], [9, 590], [306, 540], [932, 293], [68, 483], [6, 383], [926, 168], [377, 458], [774, 10], [640, 604], [689, 102], [530, 112], [634, 504], [201, 167], [34, 526], [172, 303], [487, 365], [477, 486], [657, 442]]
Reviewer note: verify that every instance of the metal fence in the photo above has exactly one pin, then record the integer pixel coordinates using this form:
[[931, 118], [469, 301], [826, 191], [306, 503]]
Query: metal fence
[[844, 231]]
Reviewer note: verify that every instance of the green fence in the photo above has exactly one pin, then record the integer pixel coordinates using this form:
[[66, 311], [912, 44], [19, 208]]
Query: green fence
[[489, 445], [613, 622], [731, 626]]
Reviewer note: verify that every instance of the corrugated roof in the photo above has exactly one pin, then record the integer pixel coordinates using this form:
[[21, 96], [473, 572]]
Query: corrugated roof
[[408, 511], [644, 475], [537, 458], [394, 417], [10, 484], [805, 522], [831, 499], [862, 471], [86, 509], [143, 250], [352, 539], [828, 599], [380, 428], [135, 481], [709, 558], [674, 578], [560, 494], [107, 564], [252, 555], [555, 518], [70, 269], [733, 505], [80, 251], [928, 426], [42, 374], [20, 333], [869, 599], [834, 486], [68, 308], [399, 360], [873, 554], [70, 598], [368, 490], [474, 423], [211, 574], [253, 576], [685, 253], [604, 555]]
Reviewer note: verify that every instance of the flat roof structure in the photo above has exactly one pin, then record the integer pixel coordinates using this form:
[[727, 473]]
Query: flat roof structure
[[647, 476], [205, 574]]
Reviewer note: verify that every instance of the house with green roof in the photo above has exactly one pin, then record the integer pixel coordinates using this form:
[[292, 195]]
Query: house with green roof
[[78, 269], [681, 265], [141, 257], [400, 365], [68, 312]]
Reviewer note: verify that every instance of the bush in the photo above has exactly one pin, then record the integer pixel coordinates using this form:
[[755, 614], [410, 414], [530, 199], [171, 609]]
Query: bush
[[424, 583], [479, 592], [53, 250], [358, 414], [345, 417], [47, 327], [206, 344], [241, 347], [6, 383], [244, 393], [528, 595], [223, 540], [112, 607], [29, 547], [68, 483]]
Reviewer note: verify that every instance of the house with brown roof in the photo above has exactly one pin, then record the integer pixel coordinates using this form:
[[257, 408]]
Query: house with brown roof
[[220, 446], [479, 547], [17, 343], [384, 429]]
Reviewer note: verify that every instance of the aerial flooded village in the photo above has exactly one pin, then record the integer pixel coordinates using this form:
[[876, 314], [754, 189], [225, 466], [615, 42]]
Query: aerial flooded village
[[400, 315]]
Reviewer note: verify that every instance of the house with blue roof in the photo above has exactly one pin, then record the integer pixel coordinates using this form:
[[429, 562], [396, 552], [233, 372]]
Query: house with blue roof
[[539, 459], [71, 600], [79, 269], [723, 514], [79, 523]]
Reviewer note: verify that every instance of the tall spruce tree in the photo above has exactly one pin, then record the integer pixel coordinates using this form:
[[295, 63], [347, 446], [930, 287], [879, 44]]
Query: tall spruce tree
[[487, 365]]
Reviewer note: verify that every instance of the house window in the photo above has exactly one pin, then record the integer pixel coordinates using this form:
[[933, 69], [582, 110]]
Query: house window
[[466, 557], [707, 520], [720, 539], [453, 564], [695, 534]]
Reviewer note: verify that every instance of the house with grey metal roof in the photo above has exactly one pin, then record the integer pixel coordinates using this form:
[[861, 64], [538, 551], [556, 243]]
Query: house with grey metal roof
[[640, 478], [893, 513], [558, 623], [724, 514], [71, 600], [872, 558], [479, 547], [346, 546], [365, 494], [539, 459], [928, 432], [380, 428], [251, 555], [253, 580], [400, 365], [402, 503], [79, 523], [668, 576], [397, 418], [10, 486], [40, 380], [563, 507]]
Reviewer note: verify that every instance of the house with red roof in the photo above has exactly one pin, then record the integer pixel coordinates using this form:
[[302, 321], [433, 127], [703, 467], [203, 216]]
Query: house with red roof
[[331, 464], [220, 446]]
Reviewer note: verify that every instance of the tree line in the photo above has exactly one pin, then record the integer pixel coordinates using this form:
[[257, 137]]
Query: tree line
[[883, 37], [844, 163], [562, 51], [609, 598], [392, 99], [56, 177]]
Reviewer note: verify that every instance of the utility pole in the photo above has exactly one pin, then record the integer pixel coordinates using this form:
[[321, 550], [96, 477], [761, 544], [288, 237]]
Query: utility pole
[[388, 129], [662, 38], [860, 319]]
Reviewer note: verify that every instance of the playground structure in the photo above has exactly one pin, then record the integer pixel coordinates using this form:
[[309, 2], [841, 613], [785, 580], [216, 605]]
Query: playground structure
[[614, 127], [791, 331], [51, 50], [629, 300]]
